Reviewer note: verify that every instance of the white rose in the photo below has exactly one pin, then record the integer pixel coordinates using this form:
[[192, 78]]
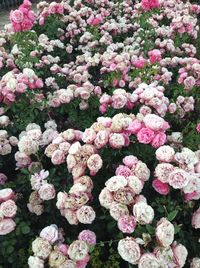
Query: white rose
[[129, 250], [165, 232], [135, 184], [35, 262], [115, 183], [148, 260], [41, 248], [29, 72], [118, 210], [78, 250], [143, 213], [106, 198], [11, 84], [195, 263]]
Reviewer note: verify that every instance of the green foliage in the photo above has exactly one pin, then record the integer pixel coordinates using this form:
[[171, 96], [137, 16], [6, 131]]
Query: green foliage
[[100, 259], [26, 42]]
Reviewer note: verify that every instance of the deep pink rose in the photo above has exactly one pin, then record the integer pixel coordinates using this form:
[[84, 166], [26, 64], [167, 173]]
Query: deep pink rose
[[154, 55], [26, 24], [160, 187], [158, 140], [16, 16], [139, 63], [145, 135]]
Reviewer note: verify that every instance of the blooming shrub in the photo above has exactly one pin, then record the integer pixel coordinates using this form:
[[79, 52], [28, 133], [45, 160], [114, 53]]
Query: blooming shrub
[[99, 135]]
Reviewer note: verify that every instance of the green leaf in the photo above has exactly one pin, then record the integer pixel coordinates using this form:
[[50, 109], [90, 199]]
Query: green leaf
[[25, 229], [10, 249], [172, 215], [150, 229]]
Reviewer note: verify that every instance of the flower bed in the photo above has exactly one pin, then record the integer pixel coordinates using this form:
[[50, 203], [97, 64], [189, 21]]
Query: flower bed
[[99, 135]]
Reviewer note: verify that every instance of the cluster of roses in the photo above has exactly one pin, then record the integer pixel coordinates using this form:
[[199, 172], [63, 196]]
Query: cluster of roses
[[190, 75], [151, 96], [23, 18], [31, 139], [64, 96], [14, 83], [43, 191], [123, 63], [6, 142], [150, 4], [116, 131], [8, 210], [185, 176], [65, 147], [49, 249], [6, 60], [122, 195], [183, 105], [184, 21], [165, 254], [73, 205], [49, 9]]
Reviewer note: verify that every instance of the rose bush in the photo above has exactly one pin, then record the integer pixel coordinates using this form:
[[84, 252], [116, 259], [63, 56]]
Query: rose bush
[[99, 135]]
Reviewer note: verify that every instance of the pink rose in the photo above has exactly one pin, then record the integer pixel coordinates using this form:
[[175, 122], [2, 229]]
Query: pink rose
[[116, 140], [16, 16], [139, 63], [192, 196], [7, 226], [123, 171], [47, 191], [165, 153], [50, 233], [119, 101], [130, 161], [88, 236], [198, 127], [189, 82], [58, 157], [94, 20], [83, 263], [3, 178], [8, 208], [6, 194], [145, 135], [180, 254], [63, 248], [158, 140], [127, 224], [178, 178], [155, 122], [101, 139], [196, 219], [89, 135], [26, 24], [31, 15], [134, 126], [154, 55], [94, 163], [160, 187]]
